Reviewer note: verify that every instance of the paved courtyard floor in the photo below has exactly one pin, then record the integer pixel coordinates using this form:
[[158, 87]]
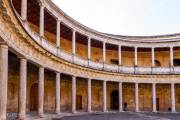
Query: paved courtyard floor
[[124, 116]]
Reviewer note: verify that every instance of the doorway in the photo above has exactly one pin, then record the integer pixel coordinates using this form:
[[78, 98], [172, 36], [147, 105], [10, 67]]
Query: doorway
[[157, 104], [34, 97], [115, 100], [79, 102]]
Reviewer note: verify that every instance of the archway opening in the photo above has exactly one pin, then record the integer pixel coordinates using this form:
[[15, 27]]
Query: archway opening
[[176, 62], [115, 100]]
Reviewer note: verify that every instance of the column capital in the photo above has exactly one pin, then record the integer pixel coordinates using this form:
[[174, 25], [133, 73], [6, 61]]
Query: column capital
[[41, 4], [4, 46]]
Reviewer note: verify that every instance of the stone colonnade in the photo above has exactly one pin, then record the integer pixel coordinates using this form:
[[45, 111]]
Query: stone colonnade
[[23, 87]]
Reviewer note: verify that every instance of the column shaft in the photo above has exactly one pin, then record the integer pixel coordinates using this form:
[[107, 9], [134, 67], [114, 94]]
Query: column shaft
[[73, 94], [24, 9], [120, 55], [153, 57], [89, 95], [136, 97], [173, 106], [89, 48], [104, 97], [120, 97], [41, 92], [104, 52], [22, 88], [74, 42], [154, 96], [58, 37], [3, 80], [136, 57], [41, 21], [58, 92]]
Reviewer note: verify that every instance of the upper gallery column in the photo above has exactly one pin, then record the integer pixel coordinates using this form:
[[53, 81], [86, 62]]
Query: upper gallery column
[[74, 42], [120, 97], [3, 80], [73, 94], [22, 88], [89, 48], [89, 95], [41, 32], [104, 97], [173, 106], [58, 92], [24, 10], [104, 52], [136, 56], [136, 97], [41, 92], [153, 56], [58, 35], [154, 97], [171, 56], [120, 55]]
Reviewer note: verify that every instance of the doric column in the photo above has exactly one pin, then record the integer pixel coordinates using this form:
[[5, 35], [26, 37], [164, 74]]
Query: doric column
[[136, 97], [104, 52], [41, 92], [153, 57], [58, 92], [136, 56], [24, 10], [74, 42], [173, 106], [154, 97], [41, 21], [104, 96], [73, 94], [22, 89], [171, 56], [120, 55], [120, 97], [89, 48], [3, 80], [58, 37], [89, 95]]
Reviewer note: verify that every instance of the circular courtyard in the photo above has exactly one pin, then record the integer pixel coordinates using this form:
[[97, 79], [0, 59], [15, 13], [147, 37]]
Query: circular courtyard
[[124, 116]]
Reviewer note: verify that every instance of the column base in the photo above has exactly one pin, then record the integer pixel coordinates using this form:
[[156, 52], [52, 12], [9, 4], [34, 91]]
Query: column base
[[154, 111], [41, 115], [58, 112], [74, 112], [173, 111], [21, 117]]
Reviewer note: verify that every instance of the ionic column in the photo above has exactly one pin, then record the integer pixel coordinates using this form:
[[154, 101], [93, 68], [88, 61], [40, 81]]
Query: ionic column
[[41, 92], [89, 95], [74, 42], [153, 57], [173, 106], [58, 37], [89, 48], [154, 96], [3, 80], [136, 97], [24, 10], [22, 89], [120, 55], [58, 92], [120, 97], [104, 96], [104, 52], [171, 56], [41, 32], [73, 94], [136, 56]]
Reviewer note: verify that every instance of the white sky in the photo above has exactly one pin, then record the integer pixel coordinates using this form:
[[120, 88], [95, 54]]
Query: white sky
[[126, 17]]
